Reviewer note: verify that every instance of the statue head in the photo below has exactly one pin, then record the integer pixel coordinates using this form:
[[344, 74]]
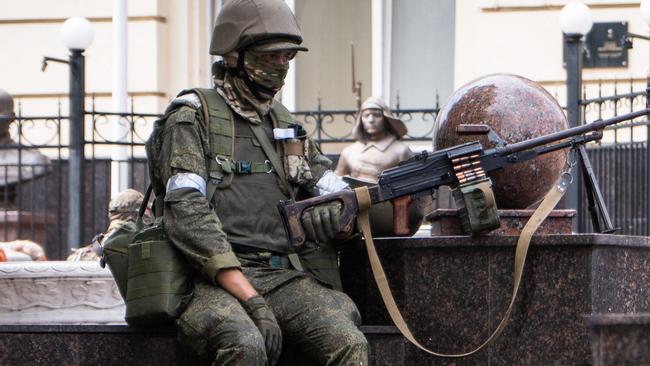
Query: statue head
[[7, 114], [375, 120]]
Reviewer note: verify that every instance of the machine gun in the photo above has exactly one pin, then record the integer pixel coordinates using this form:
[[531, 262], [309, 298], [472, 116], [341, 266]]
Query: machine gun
[[457, 166]]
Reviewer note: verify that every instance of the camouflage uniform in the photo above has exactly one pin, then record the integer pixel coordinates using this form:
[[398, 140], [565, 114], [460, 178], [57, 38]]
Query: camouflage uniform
[[241, 228], [214, 320]]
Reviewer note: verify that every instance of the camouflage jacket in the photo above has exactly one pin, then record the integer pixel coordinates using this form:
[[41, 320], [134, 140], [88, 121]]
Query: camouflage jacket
[[245, 213]]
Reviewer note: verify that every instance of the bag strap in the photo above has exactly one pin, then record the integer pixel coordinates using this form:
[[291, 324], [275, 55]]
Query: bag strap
[[139, 222], [363, 197]]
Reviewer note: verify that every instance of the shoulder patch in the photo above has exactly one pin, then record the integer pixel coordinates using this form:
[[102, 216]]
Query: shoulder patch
[[189, 99]]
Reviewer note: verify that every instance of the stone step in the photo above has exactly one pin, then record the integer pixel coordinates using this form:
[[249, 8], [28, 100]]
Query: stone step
[[121, 345], [620, 339]]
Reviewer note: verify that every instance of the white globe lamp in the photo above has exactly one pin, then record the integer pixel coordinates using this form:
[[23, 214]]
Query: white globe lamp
[[575, 18], [77, 33]]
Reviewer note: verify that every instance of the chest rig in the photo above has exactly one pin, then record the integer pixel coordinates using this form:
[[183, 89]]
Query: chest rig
[[222, 165]]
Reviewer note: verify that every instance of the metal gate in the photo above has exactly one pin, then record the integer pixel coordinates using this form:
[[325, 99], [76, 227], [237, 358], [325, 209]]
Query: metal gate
[[621, 162]]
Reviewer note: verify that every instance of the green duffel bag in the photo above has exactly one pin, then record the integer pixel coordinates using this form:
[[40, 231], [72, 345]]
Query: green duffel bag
[[152, 276], [115, 253], [159, 283]]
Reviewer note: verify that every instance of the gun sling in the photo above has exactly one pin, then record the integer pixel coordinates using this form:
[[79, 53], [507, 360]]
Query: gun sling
[[363, 197]]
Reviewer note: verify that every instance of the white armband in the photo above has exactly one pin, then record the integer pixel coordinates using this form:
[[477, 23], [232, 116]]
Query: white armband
[[187, 180], [330, 183]]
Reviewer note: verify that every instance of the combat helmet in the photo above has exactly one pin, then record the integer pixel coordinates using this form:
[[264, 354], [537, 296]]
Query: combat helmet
[[6, 107], [243, 23], [125, 204]]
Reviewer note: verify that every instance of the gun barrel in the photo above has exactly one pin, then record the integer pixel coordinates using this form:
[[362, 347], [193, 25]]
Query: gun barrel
[[579, 130]]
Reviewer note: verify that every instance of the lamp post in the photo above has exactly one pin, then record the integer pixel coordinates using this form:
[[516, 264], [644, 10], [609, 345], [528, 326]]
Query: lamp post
[[76, 34], [575, 21]]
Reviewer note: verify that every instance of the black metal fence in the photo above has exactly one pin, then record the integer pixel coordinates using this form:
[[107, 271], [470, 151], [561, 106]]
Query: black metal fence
[[621, 160], [335, 126], [34, 195]]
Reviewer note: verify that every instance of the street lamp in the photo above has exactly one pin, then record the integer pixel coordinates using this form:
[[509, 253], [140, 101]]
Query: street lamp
[[77, 35], [575, 21]]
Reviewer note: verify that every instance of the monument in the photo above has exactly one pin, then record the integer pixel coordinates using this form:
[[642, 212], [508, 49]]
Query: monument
[[18, 165]]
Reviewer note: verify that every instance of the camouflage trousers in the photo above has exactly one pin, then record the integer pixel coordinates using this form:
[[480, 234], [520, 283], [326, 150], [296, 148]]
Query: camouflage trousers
[[318, 322]]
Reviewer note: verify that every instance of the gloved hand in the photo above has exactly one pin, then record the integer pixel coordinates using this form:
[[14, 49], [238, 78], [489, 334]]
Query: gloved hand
[[322, 223], [265, 321]]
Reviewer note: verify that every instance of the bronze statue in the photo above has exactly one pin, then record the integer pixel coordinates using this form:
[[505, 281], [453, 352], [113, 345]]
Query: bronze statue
[[17, 164], [378, 147]]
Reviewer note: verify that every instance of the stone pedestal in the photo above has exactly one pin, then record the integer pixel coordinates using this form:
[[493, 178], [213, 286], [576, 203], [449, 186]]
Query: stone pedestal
[[453, 291], [58, 293], [121, 345], [620, 339], [31, 225]]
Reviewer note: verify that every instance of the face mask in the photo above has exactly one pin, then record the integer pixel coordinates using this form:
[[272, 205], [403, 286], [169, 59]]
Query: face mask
[[262, 70]]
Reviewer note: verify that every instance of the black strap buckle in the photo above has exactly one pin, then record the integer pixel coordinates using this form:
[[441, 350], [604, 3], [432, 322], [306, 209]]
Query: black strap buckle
[[243, 167]]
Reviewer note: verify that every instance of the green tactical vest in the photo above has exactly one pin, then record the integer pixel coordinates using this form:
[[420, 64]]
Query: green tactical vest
[[237, 161], [235, 142], [221, 128]]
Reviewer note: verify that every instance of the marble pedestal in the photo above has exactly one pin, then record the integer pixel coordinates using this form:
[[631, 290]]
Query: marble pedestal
[[453, 291], [58, 293]]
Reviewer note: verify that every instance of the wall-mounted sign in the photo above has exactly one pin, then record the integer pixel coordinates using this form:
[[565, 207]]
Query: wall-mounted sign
[[604, 46]]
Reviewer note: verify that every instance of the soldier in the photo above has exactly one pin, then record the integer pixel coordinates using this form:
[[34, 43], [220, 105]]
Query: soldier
[[253, 292], [122, 210], [377, 147]]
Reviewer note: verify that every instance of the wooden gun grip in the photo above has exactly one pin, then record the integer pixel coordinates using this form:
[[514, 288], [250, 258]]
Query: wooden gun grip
[[292, 211], [401, 215]]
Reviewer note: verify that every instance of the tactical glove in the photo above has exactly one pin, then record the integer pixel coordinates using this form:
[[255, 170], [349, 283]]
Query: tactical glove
[[322, 222], [264, 319]]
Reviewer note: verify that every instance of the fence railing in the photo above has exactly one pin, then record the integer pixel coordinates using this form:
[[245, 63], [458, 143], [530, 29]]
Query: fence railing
[[621, 160], [35, 206], [327, 126]]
